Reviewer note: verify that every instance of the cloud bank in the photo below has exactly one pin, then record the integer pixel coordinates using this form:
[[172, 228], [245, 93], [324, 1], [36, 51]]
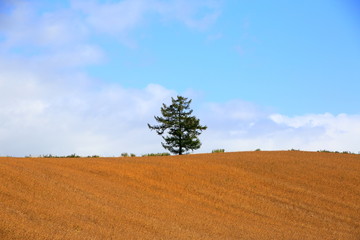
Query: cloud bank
[[273, 131], [49, 105], [43, 113]]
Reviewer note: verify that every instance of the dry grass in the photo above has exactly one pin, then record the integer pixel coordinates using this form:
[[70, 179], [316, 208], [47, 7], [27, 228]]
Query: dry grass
[[249, 195]]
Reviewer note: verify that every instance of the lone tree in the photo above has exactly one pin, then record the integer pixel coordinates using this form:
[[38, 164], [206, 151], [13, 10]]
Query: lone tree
[[182, 129]]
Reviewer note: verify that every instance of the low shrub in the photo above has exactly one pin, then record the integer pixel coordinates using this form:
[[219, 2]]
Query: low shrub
[[54, 156], [344, 152], [218, 151], [257, 150], [324, 151], [156, 154]]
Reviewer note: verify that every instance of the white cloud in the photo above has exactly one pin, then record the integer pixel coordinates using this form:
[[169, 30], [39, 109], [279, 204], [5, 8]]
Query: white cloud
[[44, 112], [120, 17], [198, 14], [339, 132], [279, 132], [46, 39], [65, 36], [48, 105], [76, 114], [113, 17], [24, 25]]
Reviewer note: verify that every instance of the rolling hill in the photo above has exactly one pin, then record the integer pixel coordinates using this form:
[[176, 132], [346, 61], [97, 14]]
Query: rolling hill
[[242, 195]]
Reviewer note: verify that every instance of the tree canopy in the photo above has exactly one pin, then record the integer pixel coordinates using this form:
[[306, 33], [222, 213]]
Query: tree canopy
[[181, 129]]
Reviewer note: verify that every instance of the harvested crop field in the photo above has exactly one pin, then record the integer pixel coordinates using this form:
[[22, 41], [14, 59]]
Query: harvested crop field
[[245, 195]]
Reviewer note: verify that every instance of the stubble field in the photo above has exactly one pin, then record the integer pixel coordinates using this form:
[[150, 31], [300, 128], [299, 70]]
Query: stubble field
[[245, 195]]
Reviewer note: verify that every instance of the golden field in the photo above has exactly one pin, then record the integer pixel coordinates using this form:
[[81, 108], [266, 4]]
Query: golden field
[[244, 195]]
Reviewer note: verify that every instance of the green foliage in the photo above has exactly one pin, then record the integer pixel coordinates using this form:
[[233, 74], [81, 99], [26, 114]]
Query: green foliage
[[344, 152], [181, 129], [128, 155], [73, 156], [257, 150], [324, 151], [294, 149], [218, 151], [68, 156], [156, 154]]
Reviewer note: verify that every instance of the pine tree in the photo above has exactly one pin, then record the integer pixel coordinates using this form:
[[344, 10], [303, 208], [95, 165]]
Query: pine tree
[[182, 129]]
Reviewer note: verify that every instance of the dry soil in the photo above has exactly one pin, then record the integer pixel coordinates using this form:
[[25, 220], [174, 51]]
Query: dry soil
[[245, 195]]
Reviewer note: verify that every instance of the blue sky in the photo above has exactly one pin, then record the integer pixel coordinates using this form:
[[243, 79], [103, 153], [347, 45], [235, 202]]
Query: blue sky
[[298, 57], [86, 76]]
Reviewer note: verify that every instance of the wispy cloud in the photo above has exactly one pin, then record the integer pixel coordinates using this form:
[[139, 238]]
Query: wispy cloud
[[120, 17], [188, 12], [60, 33], [24, 25], [113, 17]]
